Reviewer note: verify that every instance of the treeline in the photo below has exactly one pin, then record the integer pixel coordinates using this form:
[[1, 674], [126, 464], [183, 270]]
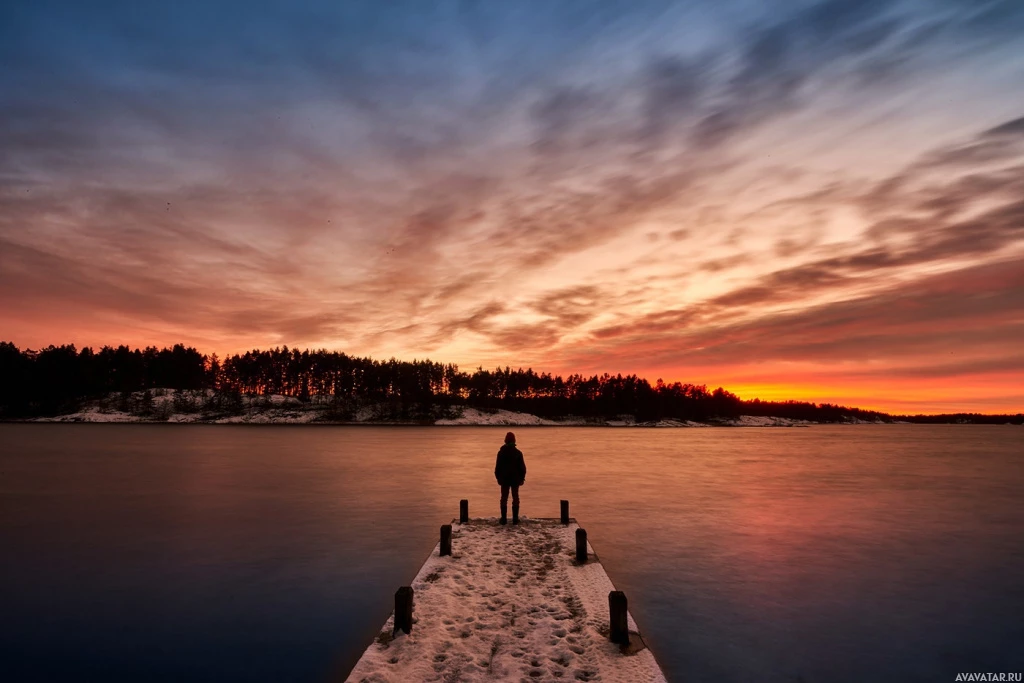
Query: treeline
[[817, 412], [965, 418], [59, 379]]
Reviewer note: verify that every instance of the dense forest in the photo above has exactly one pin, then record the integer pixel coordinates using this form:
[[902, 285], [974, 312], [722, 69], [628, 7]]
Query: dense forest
[[59, 379]]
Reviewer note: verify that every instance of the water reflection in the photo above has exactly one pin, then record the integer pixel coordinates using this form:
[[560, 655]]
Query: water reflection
[[884, 553]]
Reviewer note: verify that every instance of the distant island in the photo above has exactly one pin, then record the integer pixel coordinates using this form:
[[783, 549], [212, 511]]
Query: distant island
[[288, 386]]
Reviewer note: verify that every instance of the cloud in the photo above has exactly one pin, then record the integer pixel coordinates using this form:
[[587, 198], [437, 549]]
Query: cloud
[[562, 118], [780, 59], [504, 180], [673, 90], [571, 306], [920, 321], [1010, 129]]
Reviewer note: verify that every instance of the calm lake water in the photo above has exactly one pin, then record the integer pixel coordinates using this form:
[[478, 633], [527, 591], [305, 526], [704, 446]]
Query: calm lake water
[[221, 553]]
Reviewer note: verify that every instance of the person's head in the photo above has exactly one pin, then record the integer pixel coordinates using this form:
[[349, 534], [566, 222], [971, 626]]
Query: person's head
[[510, 438]]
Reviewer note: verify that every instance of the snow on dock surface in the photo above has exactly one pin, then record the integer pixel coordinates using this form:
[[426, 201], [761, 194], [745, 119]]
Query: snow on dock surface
[[510, 604]]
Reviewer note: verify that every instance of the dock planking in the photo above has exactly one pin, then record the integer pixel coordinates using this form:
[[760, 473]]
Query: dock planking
[[510, 603]]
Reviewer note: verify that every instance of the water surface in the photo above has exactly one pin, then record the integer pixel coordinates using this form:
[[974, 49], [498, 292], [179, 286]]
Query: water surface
[[223, 553]]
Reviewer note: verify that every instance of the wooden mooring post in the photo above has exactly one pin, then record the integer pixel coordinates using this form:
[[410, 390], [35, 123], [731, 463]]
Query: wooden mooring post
[[446, 539], [565, 512], [403, 609], [619, 622], [463, 511], [581, 546]]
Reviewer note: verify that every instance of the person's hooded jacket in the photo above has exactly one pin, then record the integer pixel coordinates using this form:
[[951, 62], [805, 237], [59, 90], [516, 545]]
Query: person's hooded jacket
[[510, 468]]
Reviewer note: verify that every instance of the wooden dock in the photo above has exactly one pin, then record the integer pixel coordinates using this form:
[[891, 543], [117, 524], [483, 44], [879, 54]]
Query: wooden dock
[[527, 602]]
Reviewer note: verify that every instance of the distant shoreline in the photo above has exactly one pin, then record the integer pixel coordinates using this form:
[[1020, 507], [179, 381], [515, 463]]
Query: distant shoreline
[[258, 419], [163, 406], [50, 422], [281, 385]]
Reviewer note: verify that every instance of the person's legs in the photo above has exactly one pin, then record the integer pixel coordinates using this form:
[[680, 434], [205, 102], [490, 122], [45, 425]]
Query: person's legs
[[515, 505], [504, 502]]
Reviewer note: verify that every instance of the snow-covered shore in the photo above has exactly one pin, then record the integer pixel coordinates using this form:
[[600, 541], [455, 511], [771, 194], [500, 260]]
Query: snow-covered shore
[[510, 603], [168, 406]]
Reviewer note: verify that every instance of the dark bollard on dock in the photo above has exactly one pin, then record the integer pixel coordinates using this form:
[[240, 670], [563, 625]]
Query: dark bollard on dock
[[581, 546], [463, 511], [403, 609], [446, 539], [619, 623], [565, 512]]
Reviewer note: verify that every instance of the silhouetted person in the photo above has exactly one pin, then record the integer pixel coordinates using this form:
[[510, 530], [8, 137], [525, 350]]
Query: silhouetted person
[[510, 471]]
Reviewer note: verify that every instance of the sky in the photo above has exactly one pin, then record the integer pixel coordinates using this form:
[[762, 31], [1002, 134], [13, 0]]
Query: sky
[[811, 200]]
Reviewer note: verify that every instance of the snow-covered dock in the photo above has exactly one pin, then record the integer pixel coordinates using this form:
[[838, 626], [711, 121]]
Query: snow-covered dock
[[511, 603]]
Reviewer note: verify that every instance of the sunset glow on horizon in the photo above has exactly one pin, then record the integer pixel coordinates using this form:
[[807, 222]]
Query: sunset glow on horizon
[[819, 201]]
